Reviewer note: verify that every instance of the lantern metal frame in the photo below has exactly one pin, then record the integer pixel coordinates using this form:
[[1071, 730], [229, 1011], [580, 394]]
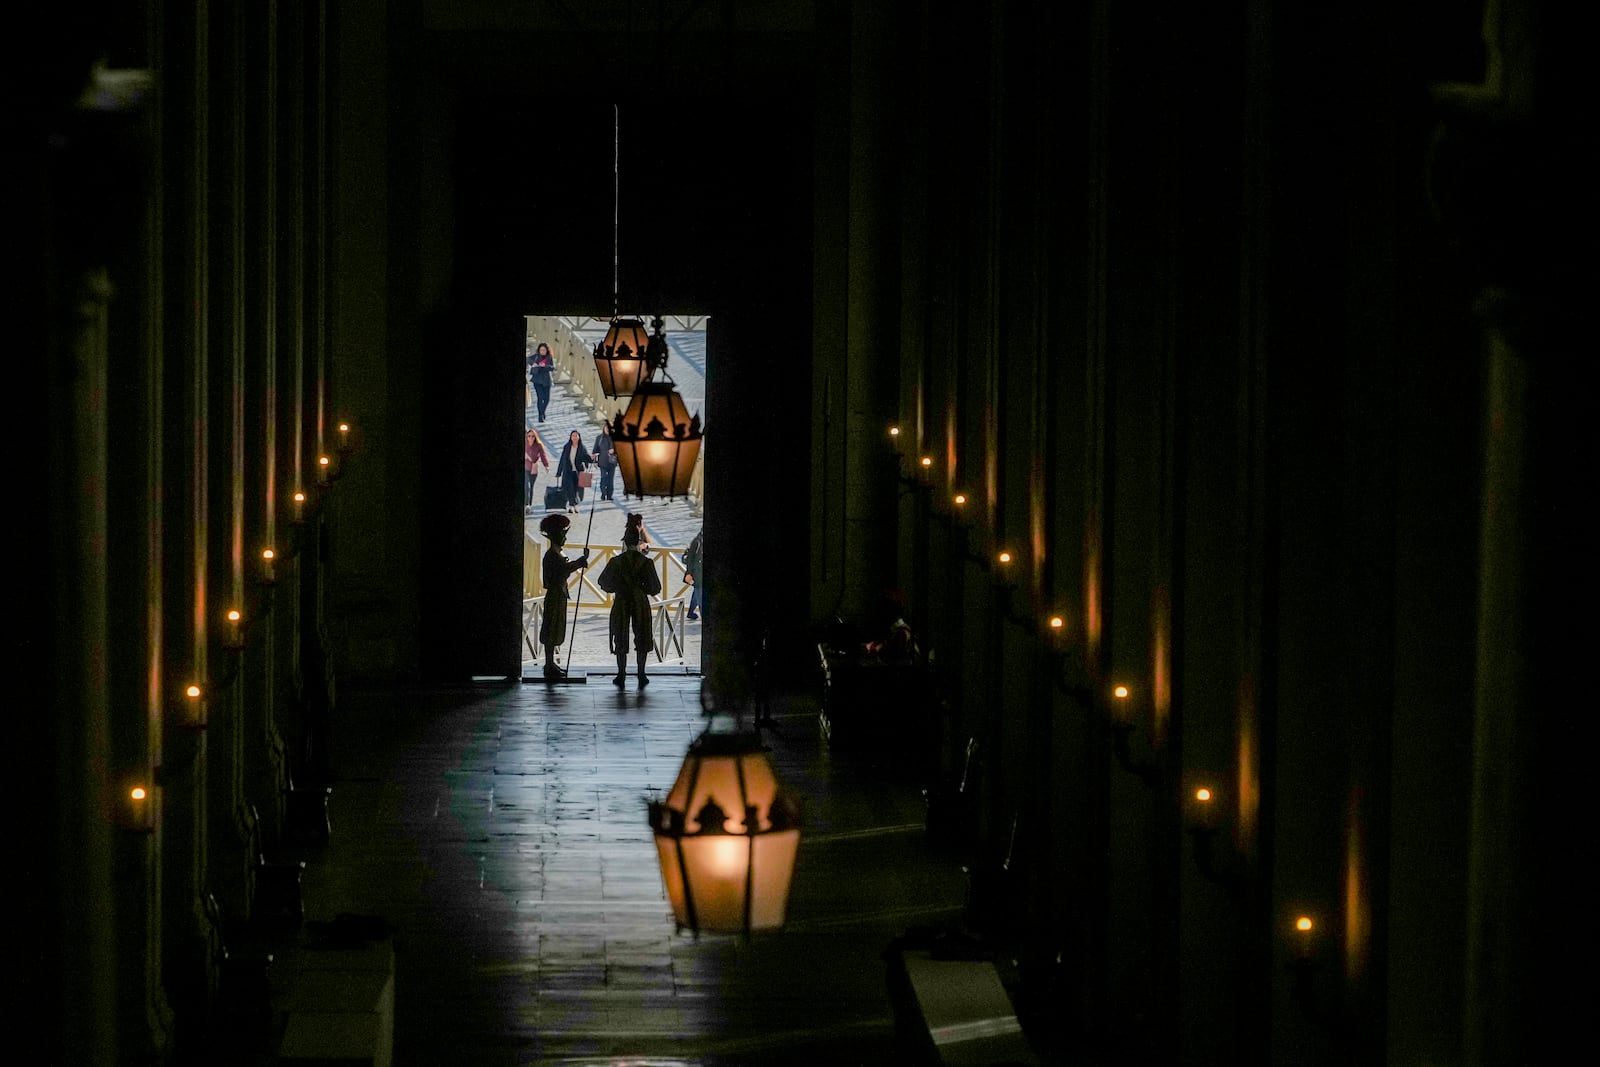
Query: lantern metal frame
[[624, 359], [656, 419], [693, 838]]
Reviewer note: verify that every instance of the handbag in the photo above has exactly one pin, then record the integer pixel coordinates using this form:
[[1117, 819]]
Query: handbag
[[585, 479]]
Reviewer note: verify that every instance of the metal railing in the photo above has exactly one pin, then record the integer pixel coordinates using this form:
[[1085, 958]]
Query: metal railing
[[667, 610]]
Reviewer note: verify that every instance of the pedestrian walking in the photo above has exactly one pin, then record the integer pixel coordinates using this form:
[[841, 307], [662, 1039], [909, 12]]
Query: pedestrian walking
[[694, 561], [605, 457], [573, 469], [539, 368], [631, 579], [556, 569], [533, 454]]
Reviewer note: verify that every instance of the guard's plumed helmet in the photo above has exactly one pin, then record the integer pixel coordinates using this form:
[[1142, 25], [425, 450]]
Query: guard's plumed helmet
[[635, 531]]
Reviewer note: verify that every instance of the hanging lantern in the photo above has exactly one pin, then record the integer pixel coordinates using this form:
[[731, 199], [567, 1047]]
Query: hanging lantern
[[657, 441], [622, 359], [726, 838]]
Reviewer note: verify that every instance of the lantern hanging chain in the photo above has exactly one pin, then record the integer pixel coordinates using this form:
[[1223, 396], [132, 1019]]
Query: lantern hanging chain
[[616, 208]]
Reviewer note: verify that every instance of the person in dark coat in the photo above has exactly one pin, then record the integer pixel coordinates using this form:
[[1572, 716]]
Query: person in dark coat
[[694, 561], [605, 457], [574, 460], [539, 368], [555, 569], [631, 579]]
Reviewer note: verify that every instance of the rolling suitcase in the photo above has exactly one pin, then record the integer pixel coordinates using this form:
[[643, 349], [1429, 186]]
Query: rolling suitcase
[[554, 498]]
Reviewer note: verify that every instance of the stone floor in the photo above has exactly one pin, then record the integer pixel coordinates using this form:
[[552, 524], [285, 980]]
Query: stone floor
[[502, 832]]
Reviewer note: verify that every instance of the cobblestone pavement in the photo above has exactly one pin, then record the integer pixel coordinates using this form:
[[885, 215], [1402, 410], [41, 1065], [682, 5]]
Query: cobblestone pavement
[[671, 525]]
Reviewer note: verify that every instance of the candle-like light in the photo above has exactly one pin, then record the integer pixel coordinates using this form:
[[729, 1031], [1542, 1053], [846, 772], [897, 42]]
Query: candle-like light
[[1120, 692], [1304, 924], [894, 431], [324, 466], [193, 692], [1004, 556], [268, 555], [344, 435], [960, 499], [1203, 795], [1057, 622], [927, 461], [137, 792], [233, 615]]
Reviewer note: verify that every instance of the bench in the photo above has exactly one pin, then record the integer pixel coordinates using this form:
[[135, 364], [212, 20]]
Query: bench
[[957, 1010], [341, 1008]]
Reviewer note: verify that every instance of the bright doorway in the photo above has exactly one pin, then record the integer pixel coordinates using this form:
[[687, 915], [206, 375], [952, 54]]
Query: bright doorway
[[575, 403]]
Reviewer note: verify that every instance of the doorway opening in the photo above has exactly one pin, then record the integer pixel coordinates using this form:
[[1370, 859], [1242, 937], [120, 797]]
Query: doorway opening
[[563, 398]]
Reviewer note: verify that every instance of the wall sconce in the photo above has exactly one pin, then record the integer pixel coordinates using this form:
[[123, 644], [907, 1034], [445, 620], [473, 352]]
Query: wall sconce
[[233, 629], [726, 839], [894, 431], [193, 708], [1122, 729], [1057, 624], [297, 507], [1305, 967], [960, 500], [269, 573], [136, 810], [344, 436], [1200, 813], [927, 463]]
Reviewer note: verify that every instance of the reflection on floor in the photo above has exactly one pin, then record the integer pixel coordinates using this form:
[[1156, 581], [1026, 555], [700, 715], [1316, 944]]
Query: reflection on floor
[[502, 831]]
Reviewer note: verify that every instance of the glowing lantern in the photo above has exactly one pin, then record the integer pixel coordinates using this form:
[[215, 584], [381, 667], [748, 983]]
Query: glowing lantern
[[726, 839], [623, 359], [657, 442]]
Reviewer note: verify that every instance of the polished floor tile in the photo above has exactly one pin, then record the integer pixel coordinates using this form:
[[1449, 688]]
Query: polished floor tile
[[503, 833]]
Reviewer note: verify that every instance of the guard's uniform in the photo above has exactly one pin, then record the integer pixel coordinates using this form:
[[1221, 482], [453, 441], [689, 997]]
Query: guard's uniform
[[631, 579]]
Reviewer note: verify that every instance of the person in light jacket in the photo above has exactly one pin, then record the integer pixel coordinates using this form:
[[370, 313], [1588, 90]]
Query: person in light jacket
[[533, 454]]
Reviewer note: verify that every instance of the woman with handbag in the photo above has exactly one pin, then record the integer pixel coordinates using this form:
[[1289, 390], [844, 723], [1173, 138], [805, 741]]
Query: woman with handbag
[[573, 469]]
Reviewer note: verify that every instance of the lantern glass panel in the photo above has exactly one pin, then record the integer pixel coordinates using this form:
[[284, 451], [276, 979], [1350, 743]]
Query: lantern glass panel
[[773, 868], [717, 868], [672, 877]]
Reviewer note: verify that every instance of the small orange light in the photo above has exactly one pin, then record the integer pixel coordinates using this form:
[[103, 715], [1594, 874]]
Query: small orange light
[[894, 431], [233, 615], [1004, 557], [137, 792], [1303, 924], [299, 498], [1203, 795], [927, 461], [324, 460], [961, 498], [267, 553], [344, 427], [1120, 692], [1057, 622], [193, 692]]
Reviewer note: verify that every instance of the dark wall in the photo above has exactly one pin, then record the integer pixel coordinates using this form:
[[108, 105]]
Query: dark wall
[[714, 219]]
